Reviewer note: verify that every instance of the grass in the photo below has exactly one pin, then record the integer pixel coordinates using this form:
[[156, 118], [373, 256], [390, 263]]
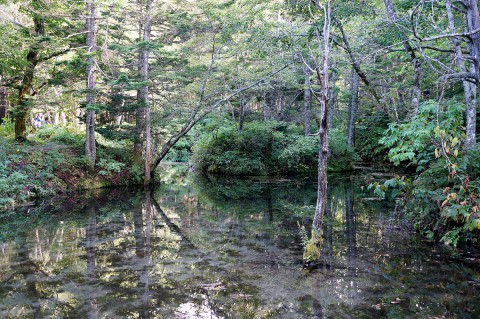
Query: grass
[[52, 161]]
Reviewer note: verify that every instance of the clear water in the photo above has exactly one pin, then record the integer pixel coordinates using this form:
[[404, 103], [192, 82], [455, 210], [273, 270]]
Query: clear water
[[226, 248]]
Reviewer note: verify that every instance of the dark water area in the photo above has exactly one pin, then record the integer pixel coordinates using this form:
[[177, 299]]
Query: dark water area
[[227, 248]]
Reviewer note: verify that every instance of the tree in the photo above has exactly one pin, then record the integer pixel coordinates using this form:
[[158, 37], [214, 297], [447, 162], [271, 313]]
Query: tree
[[307, 99], [323, 79], [42, 46], [352, 107], [414, 59], [142, 93], [90, 146], [3, 101], [26, 89]]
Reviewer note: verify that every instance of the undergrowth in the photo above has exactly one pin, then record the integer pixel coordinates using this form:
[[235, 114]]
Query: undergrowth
[[52, 161]]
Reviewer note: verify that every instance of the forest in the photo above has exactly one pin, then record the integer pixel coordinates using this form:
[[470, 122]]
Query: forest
[[239, 159], [113, 88], [100, 93]]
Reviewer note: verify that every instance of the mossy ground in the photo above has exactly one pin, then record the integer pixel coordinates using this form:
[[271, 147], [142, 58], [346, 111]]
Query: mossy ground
[[49, 165]]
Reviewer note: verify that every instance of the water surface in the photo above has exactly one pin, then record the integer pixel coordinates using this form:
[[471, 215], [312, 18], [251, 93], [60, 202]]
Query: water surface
[[226, 248]]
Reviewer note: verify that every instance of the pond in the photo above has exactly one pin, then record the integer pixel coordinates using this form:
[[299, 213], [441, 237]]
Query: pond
[[227, 248]]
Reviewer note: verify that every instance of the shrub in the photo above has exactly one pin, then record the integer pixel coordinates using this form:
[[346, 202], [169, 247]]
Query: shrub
[[60, 134], [262, 148], [68, 137], [109, 166], [7, 128], [342, 157], [443, 200], [13, 188], [180, 152], [296, 154], [367, 134]]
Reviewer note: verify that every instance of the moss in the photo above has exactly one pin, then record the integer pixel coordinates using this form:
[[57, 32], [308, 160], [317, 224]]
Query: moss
[[312, 248]]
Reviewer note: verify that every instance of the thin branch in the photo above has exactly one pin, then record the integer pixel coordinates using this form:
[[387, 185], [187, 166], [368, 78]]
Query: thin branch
[[35, 91], [452, 35], [53, 55], [460, 75], [15, 22], [414, 30], [74, 34], [427, 47]]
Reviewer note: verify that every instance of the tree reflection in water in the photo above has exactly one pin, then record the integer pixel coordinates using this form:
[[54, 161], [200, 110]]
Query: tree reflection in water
[[225, 249]]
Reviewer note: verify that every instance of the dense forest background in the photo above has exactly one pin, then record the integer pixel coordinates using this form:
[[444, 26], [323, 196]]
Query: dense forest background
[[245, 87]]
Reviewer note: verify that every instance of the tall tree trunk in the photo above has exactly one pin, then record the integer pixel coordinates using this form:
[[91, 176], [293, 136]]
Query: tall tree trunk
[[322, 76], [26, 88], [143, 124], [148, 148], [138, 144], [332, 101], [90, 146], [3, 101], [241, 112], [469, 88], [269, 105], [307, 99], [473, 22], [352, 107], [414, 59]]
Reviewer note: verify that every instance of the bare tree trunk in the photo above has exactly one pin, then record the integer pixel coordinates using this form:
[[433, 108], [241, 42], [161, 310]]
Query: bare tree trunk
[[148, 148], [473, 22], [322, 76], [90, 146], [118, 119], [307, 99], [142, 93], [468, 87], [139, 138], [414, 59], [352, 107]]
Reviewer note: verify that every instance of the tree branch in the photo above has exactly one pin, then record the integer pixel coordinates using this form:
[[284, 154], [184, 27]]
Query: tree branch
[[452, 35], [53, 55], [194, 119], [468, 76], [355, 63]]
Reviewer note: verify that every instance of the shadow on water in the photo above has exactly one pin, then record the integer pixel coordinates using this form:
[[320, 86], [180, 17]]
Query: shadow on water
[[225, 248]]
